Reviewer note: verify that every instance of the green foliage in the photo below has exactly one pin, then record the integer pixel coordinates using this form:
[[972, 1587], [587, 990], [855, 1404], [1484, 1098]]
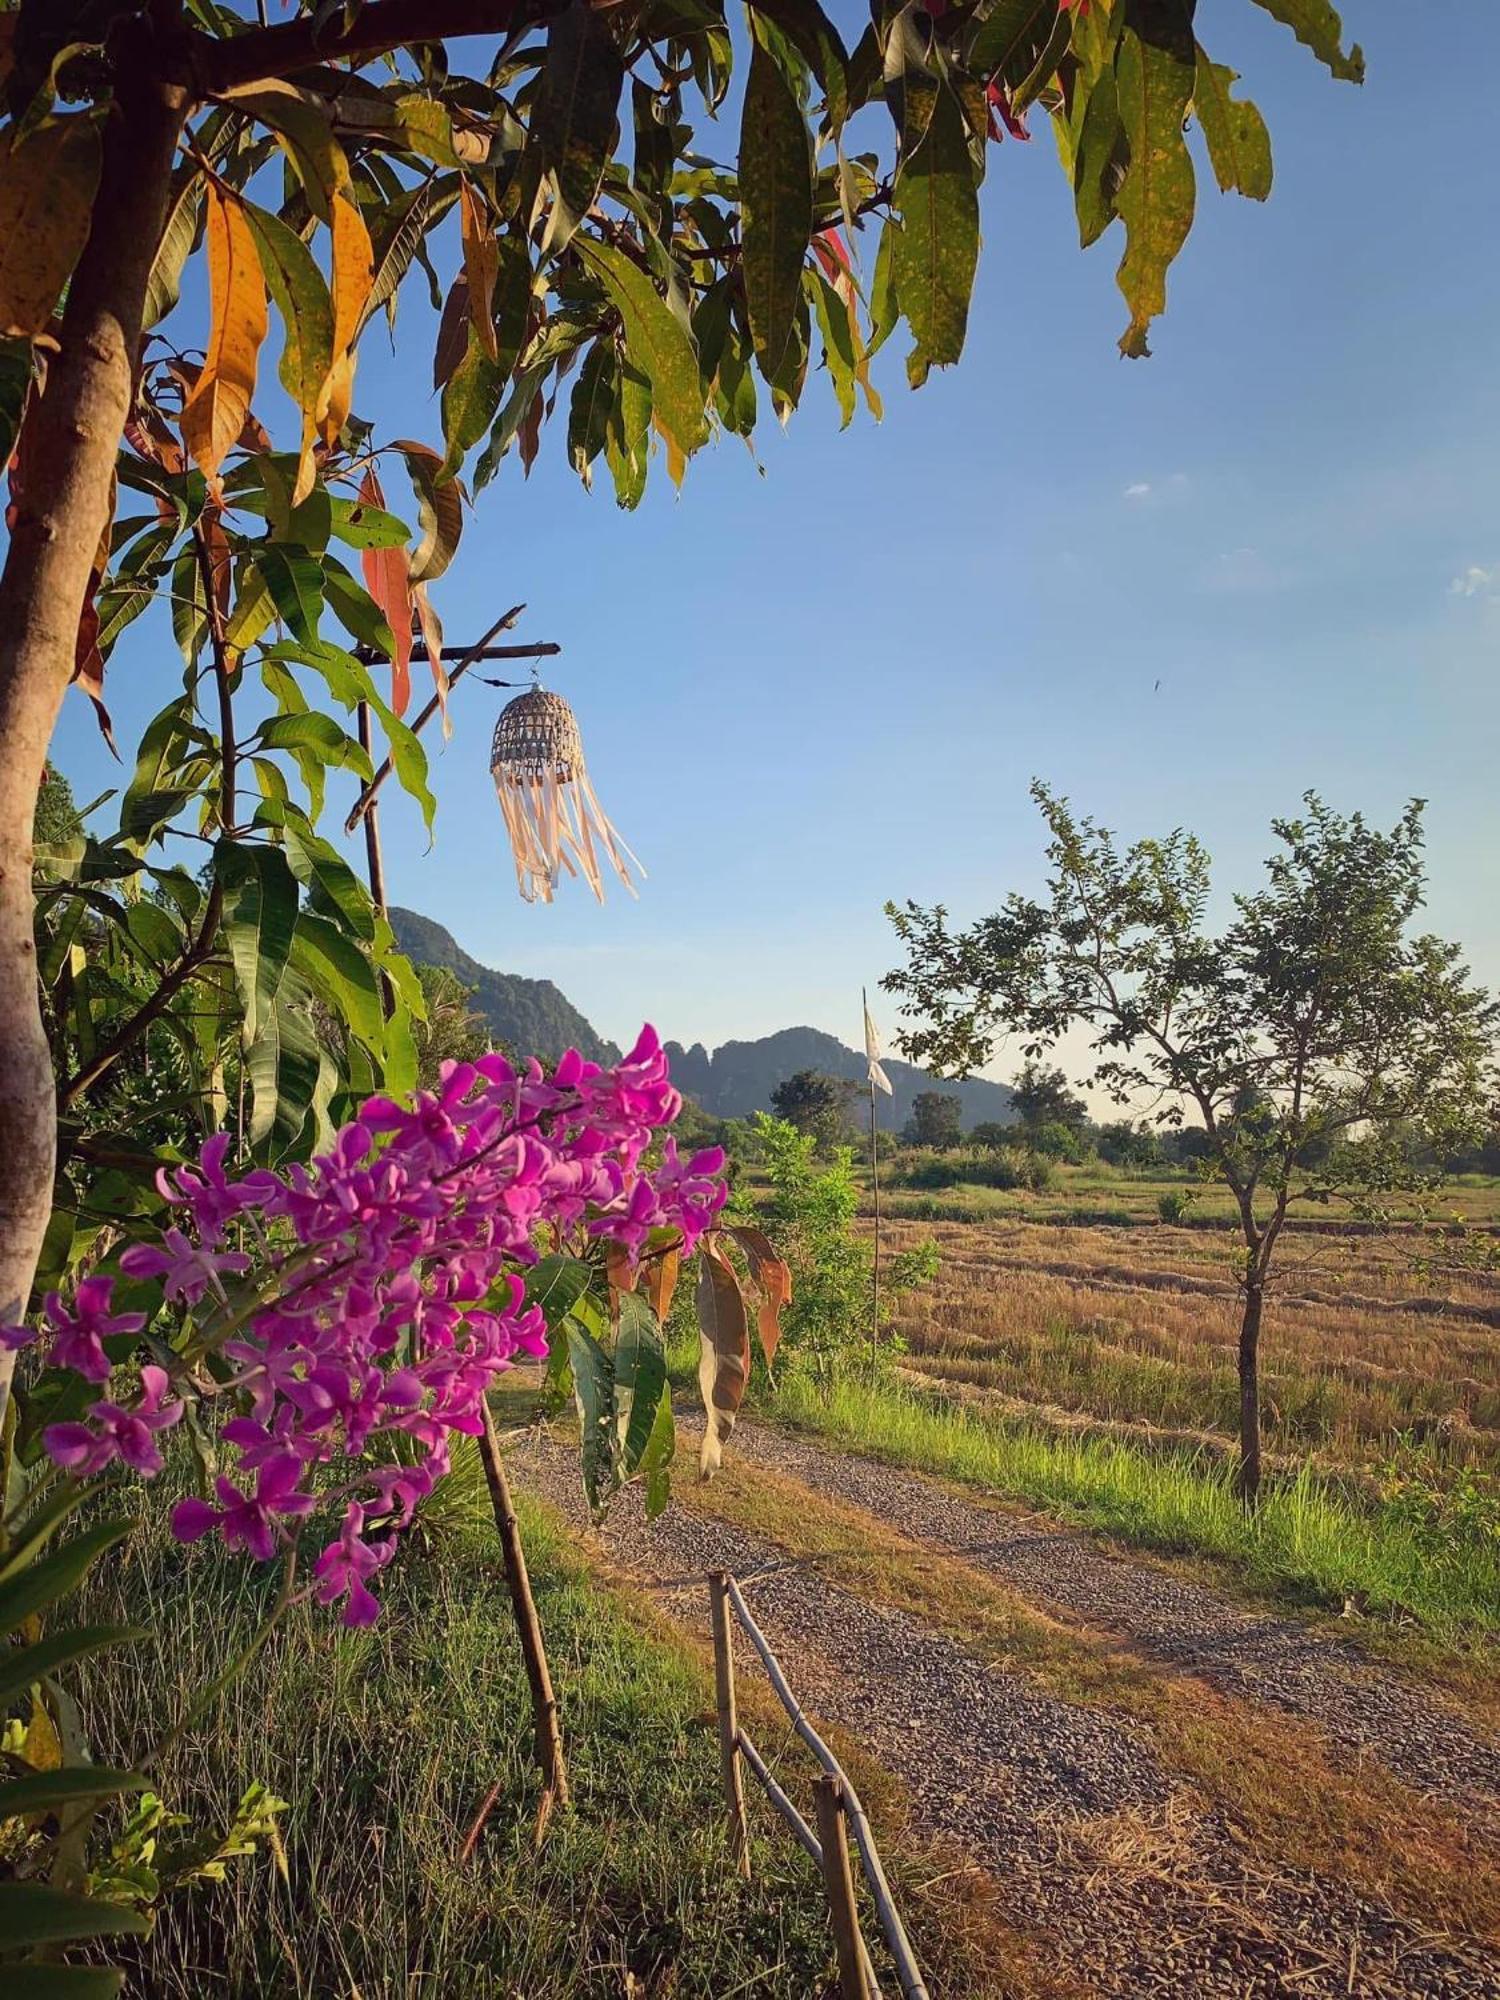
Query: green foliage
[[810, 1215], [56, 823], [817, 1104], [974, 1166], [936, 1120], [1175, 1204], [451, 1031]]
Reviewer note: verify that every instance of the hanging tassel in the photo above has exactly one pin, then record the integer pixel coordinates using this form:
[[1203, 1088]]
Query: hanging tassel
[[552, 813]]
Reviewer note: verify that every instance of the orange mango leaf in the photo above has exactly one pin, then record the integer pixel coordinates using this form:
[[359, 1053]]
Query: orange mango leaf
[[387, 574], [723, 1352], [353, 280], [218, 408], [481, 267]]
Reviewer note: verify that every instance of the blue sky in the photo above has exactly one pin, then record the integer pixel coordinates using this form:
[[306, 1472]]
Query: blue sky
[[819, 680]]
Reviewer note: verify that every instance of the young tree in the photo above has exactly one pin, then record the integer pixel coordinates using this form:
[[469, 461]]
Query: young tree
[[936, 1120], [816, 1104], [1309, 1036], [314, 162]]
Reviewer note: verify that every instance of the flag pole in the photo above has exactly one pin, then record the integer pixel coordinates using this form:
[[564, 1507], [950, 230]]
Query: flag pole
[[875, 1185]]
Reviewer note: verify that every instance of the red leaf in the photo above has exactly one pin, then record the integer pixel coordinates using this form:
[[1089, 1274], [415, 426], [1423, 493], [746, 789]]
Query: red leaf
[[387, 575]]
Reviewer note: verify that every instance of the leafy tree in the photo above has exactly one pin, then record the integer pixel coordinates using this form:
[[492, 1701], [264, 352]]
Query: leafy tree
[[992, 1135], [936, 1120], [314, 163], [1130, 1142], [56, 818], [810, 1213], [1043, 1096], [451, 1031], [815, 1103], [1307, 1036]]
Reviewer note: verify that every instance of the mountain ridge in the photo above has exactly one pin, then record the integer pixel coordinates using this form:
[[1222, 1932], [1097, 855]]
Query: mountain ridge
[[535, 1017]]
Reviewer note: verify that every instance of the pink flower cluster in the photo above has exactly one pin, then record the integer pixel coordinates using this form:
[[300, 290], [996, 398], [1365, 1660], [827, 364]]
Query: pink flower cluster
[[390, 1300]]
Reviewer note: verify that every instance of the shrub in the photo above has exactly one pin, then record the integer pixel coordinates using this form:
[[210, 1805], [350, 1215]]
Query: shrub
[[978, 1166], [1176, 1204]]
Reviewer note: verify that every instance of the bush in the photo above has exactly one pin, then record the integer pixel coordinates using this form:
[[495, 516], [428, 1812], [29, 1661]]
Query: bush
[[1175, 1204], [977, 1166]]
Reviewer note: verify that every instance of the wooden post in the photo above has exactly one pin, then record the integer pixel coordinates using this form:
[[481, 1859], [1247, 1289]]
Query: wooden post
[[838, 1886], [729, 1731], [549, 1748]]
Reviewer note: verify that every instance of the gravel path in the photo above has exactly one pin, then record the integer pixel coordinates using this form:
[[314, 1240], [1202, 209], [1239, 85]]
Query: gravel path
[[1133, 1887], [1412, 1731]]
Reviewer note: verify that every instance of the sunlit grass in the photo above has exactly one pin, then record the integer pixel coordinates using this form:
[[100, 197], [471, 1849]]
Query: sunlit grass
[[1306, 1541]]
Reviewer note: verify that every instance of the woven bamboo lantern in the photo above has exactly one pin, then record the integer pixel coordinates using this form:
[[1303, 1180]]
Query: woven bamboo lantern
[[552, 815]]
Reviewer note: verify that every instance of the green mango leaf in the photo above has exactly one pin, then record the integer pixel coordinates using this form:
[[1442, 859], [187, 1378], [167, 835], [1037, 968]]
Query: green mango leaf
[[776, 195], [31, 1913], [45, 1790], [1317, 26], [42, 1583], [1155, 71], [627, 432], [574, 122], [838, 343], [304, 130], [355, 609], [21, 1666], [557, 1284], [656, 342], [936, 252], [1239, 146], [471, 396], [314, 860], [640, 1381], [259, 924], [301, 294], [284, 1063], [397, 239], [320, 733], [295, 580], [341, 976], [184, 207], [818, 42], [1011, 38], [655, 1465], [593, 1390], [1099, 161], [589, 412]]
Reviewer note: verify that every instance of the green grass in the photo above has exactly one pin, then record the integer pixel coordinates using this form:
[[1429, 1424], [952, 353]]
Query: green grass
[[384, 1742], [1307, 1542]]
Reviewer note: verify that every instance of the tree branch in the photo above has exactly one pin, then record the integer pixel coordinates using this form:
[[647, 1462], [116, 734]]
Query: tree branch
[[217, 64]]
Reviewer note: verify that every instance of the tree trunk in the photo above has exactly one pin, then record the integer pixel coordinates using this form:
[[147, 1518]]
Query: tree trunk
[[1248, 1478], [75, 431]]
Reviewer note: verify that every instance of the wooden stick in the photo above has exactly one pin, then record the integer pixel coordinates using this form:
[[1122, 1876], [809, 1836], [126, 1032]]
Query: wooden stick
[[729, 1735], [367, 797], [549, 1747], [838, 1886]]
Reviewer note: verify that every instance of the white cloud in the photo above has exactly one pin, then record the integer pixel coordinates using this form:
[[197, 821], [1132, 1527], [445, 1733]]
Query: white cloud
[[1477, 582], [1170, 488], [1139, 490]]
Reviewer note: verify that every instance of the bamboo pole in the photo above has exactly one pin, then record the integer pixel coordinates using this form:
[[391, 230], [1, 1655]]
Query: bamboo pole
[[875, 1188], [729, 1735], [838, 1886], [908, 1974], [548, 1732]]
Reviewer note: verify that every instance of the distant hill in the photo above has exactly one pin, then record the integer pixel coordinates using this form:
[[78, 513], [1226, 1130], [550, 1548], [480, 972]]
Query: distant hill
[[738, 1077], [530, 1016]]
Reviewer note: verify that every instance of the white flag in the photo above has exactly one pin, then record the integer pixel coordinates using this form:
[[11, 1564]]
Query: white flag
[[878, 1076]]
